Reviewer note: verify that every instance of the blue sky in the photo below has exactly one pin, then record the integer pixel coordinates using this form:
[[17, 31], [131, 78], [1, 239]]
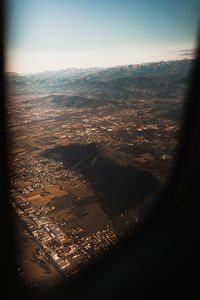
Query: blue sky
[[54, 34]]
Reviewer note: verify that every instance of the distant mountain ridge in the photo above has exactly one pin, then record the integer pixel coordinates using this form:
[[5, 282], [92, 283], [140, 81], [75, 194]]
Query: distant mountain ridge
[[158, 80]]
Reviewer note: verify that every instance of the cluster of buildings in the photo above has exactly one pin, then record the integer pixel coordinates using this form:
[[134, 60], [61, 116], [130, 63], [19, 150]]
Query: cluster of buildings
[[67, 252], [30, 174]]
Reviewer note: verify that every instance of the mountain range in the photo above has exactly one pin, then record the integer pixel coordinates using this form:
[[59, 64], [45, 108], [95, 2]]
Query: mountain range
[[96, 86]]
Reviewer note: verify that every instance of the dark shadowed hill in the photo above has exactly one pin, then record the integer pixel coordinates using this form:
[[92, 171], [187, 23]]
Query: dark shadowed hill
[[120, 186]]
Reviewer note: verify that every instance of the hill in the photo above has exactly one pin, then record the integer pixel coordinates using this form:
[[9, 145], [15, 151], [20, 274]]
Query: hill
[[120, 185]]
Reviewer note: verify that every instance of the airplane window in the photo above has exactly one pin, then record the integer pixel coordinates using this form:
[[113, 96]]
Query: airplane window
[[95, 94]]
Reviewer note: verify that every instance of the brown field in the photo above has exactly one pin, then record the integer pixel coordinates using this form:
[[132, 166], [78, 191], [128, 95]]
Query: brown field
[[20, 138], [64, 141], [36, 197], [35, 153], [65, 214], [40, 200], [35, 192], [96, 218], [56, 190], [17, 151], [46, 147], [144, 157], [80, 190]]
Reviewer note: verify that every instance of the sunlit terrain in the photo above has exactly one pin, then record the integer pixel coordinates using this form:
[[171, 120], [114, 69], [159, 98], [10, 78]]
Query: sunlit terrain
[[89, 149]]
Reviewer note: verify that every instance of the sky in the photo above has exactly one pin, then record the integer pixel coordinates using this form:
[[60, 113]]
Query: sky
[[58, 34]]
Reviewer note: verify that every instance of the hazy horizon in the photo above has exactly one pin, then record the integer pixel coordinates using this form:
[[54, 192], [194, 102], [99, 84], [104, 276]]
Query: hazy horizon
[[190, 57], [55, 34]]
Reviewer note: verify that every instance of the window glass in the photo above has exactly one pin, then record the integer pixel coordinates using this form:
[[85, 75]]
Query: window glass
[[95, 93]]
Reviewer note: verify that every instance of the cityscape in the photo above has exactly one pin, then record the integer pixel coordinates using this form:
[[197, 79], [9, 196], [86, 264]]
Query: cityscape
[[82, 166]]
